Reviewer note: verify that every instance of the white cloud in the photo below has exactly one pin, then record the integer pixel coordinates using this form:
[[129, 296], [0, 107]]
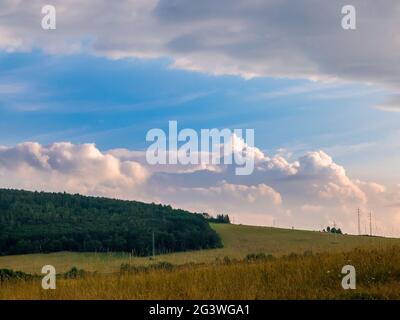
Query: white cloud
[[309, 192], [235, 199], [72, 168]]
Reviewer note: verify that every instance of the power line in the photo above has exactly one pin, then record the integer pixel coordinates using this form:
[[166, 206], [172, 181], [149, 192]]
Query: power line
[[359, 226]]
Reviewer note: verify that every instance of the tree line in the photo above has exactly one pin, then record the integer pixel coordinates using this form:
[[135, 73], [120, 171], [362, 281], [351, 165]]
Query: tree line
[[333, 230], [220, 218]]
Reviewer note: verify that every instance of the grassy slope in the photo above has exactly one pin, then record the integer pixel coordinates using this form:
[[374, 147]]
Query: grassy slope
[[315, 276], [238, 241]]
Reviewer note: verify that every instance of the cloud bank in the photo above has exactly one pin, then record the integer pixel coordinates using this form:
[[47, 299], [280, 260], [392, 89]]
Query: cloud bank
[[308, 192]]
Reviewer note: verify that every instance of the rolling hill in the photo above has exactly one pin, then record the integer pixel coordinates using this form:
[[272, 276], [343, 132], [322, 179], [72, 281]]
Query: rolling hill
[[41, 222]]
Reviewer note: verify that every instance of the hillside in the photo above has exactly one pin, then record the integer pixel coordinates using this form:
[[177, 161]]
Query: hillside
[[238, 240], [39, 222]]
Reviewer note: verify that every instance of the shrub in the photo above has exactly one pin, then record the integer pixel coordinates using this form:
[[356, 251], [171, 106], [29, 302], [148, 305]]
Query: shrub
[[8, 274], [74, 273]]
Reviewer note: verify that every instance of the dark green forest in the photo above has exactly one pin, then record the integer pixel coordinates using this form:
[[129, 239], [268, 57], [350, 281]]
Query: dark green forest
[[34, 222]]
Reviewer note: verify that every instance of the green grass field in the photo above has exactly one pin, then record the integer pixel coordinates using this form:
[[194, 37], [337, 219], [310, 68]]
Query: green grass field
[[238, 240]]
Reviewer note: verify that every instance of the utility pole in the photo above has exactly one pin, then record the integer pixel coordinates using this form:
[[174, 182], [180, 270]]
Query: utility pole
[[370, 223], [358, 216], [154, 250], [334, 226]]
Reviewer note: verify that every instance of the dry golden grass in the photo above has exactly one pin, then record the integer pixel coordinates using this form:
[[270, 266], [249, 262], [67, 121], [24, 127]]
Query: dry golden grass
[[301, 277]]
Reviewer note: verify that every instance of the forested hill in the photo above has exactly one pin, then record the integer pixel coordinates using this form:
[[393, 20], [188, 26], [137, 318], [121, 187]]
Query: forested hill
[[32, 222]]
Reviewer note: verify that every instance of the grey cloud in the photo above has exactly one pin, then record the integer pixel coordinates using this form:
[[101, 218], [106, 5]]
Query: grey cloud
[[391, 104], [248, 38]]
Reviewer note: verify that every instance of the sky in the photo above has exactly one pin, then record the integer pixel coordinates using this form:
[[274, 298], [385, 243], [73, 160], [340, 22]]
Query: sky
[[324, 102]]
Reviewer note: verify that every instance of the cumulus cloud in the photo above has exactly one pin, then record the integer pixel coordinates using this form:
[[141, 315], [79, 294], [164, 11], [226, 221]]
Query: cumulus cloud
[[313, 190], [245, 203], [68, 167], [327, 179], [308, 192], [248, 38]]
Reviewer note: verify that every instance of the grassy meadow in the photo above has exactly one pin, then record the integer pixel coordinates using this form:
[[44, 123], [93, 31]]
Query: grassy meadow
[[314, 276], [238, 240], [305, 265]]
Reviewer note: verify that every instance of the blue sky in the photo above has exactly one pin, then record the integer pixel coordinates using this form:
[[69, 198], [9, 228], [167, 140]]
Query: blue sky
[[77, 101], [113, 103]]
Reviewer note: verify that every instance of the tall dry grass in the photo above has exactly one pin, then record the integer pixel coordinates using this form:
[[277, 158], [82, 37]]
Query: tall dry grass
[[316, 276]]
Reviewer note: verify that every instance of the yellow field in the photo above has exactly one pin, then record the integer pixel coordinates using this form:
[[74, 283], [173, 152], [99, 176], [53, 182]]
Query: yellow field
[[239, 240], [302, 277]]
